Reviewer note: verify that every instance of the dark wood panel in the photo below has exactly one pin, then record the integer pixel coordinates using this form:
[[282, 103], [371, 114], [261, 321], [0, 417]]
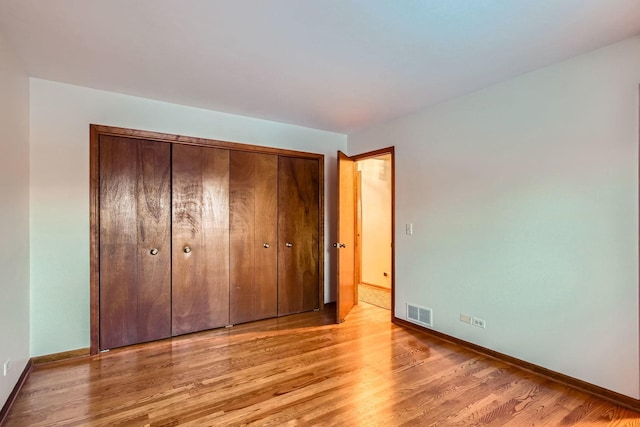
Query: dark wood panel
[[94, 239], [298, 235], [200, 292], [242, 236], [134, 220], [203, 142], [253, 224], [99, 131], [266, 221], [304, 370]]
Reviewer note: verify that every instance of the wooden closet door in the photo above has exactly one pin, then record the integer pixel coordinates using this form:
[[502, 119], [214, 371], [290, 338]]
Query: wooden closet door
[[135, 241], [200, 237], [253, 208], [298, 234]]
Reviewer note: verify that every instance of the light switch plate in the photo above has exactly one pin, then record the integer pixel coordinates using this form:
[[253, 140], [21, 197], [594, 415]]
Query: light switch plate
[[465, 318]]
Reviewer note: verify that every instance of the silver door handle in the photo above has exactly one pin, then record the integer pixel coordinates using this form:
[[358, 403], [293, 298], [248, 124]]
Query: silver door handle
[[187, 249], [265, 245], [289, 245]]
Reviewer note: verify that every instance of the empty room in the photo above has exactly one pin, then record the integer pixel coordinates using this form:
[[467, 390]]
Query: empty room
[[319, 212]]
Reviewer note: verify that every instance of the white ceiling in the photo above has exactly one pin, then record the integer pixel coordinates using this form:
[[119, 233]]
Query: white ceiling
[[337, 65]]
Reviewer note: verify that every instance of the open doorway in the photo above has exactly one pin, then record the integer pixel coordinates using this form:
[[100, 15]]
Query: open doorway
[[373, 230], [366, 218]]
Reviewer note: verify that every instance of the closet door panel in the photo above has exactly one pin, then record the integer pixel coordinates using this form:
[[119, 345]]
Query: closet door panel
[[298, 234], [266, 219], [200, 237], [135, 227], [253, 236]]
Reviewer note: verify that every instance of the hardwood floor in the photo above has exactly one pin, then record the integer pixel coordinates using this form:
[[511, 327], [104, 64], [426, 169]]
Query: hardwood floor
[[302, 370]]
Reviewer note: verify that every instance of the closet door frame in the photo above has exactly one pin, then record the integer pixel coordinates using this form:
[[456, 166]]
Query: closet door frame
[[95, 131]]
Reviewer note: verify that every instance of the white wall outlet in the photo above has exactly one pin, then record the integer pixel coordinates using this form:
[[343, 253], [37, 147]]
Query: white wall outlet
[[465, 318], [480, 323], [6, 367], [409, 229]]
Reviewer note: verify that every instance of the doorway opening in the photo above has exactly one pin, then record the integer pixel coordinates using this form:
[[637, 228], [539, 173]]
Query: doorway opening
[[366, 223], [373, 230]]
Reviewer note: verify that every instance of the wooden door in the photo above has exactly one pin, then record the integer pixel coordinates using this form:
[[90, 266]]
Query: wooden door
[[298, 235], [346, 236], [253, 213], [135, 241], [200, 238]]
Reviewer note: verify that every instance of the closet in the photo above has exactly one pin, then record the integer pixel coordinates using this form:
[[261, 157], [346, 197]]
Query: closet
[[297, 219], [199, 238], [191, 234], [253, 189], [135, 241]]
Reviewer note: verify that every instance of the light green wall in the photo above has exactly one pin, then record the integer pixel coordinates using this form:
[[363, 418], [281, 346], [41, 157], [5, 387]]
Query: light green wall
[[524, 204], [60, 118], [14, 218]]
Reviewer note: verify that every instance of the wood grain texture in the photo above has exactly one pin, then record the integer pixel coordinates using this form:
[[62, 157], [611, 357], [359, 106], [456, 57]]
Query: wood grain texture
[[253, 211], [616, 398], [97, 131], [200, 142], [321, 232], [135, 286], [63, 355], [200, 277], [298, 235], [346, 236], [94, 239], [303, 370]]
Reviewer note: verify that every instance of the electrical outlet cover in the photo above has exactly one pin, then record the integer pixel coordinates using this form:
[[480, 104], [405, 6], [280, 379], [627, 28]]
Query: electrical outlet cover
[[480, 323]]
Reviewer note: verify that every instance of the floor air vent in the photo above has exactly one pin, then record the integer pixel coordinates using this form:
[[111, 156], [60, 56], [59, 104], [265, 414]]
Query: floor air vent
[[421, 315]]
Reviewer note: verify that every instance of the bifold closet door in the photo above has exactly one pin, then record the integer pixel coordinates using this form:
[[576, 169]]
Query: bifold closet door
[[135, 241], [298, 235], [253, 213], [200, 238]]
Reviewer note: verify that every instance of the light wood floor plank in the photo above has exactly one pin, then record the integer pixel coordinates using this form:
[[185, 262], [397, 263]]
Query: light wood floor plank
[[302, 370]]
